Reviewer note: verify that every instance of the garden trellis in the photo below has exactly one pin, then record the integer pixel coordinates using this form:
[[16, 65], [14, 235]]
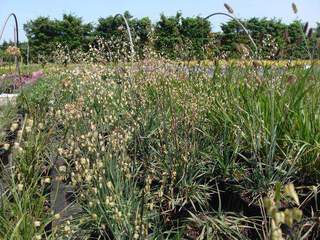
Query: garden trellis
[[16, 38], [129, 34], [242, 26]]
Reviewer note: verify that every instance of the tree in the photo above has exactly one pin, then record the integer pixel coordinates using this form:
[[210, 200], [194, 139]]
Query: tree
[[114, 29], [142, 29], [73, 32], [168, 37], [182, 37], [317, 31], [273, 38], [196, 31], [44, 34], [173, 37]]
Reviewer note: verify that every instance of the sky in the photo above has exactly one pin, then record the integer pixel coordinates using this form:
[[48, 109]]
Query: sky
[[91, 10]]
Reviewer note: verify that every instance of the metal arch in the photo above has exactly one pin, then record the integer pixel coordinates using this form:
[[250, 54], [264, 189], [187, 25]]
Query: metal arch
[[16, 37], [16, 32], [129, 34], [235, 19]]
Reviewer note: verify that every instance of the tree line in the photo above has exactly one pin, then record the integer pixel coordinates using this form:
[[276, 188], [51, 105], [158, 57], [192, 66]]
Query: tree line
[[174, 37]]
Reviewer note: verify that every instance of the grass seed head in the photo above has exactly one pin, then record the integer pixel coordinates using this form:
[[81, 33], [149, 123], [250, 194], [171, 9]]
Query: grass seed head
[[291, 192], [20, 187], [305, 27], [310, 33], [37, 223], [63, 169], [294, 8], [14, 127], [229, 9], [286, 36], [47, 180], [6, 146]]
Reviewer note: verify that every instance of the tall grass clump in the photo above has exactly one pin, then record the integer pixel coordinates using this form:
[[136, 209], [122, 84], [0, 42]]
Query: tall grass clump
[[156, 149]]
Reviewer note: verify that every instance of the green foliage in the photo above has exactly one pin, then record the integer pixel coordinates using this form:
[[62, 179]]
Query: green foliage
[[73, 32], [197, 32], [174, 37], [114, 29], [41, 34], [178, 37], [44, 34], [159, 154], [167, 33], [2, 53], [275, 39]]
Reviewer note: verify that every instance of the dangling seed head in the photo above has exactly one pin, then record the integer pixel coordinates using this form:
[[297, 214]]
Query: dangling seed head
[[278, 52], [261, 37], [286, 36], [256, 64], [291, 192], [299, 40], [305, 27], [318, 43], [229, 9], [242, 49], [292, 79], [294, 8], [310, 33], [238, 48]]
